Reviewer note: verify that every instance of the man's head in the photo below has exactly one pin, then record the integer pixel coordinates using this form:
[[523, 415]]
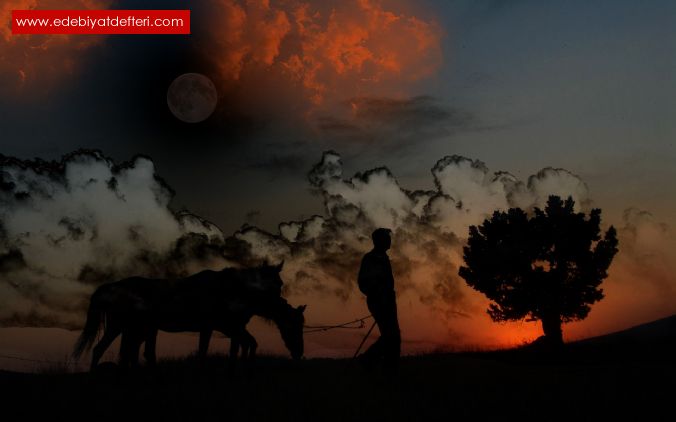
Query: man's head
[[381, 239]]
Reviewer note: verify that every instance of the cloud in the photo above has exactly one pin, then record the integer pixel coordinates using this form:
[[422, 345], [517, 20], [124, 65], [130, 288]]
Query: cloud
[[68, 226], [71, 225], [641, 285], [430, 227], [276, 163], [395, 121], [323, 252], [320, 49], [249, 33], [649, 254], [38, 62]]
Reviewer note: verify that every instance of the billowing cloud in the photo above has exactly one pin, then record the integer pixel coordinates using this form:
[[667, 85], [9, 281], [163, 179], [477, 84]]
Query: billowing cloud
[[37, 61], [322, 48], [67, 227], [646, 266], [322, 253], [430, 227], [248, 33]]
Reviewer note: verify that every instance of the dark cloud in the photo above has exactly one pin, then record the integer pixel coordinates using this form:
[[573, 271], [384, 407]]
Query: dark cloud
[[252, 216], [11, 260], [415, 111], [276, 163], [395, 122]]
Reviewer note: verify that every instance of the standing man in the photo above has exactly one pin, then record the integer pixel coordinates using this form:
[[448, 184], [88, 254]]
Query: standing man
[[377, 283]]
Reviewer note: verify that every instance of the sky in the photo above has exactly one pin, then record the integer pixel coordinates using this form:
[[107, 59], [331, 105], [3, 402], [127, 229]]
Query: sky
[[585, 90]]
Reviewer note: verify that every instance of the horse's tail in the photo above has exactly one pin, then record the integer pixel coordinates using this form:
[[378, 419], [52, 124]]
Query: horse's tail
[[95, 317]]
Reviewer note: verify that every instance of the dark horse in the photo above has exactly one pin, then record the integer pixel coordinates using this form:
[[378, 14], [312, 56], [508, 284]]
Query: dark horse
[[223, 300]]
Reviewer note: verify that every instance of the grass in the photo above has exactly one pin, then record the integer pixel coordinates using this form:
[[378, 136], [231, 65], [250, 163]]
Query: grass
[[581, 383]]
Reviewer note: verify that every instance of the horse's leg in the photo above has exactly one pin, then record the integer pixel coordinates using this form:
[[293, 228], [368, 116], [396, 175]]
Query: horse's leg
[[234, 347], [130, 346], [134, 349], [234, 350], [109, 335], [149, 352], [244, 346], [205, 337], [249, 345], [126, 349]]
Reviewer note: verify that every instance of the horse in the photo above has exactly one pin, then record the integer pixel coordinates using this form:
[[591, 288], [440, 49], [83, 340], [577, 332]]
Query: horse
[[263, 280], [223, 301]]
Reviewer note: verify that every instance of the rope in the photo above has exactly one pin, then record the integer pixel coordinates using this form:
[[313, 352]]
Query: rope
[[309, 329], [345, 325]]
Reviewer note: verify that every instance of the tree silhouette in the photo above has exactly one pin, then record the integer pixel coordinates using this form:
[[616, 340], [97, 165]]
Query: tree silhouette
[[545, 267]]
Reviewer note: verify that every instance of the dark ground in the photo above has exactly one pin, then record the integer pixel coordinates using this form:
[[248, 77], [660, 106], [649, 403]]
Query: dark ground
[[623, 376]]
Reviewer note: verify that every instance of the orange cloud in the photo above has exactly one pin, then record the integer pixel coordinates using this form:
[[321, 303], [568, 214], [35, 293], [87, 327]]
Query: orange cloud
[[247, 34], [32, 59], [347, 47]]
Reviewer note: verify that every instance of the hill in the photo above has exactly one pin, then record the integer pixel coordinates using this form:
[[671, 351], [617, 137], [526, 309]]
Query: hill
[[662, 330], [626, 375]]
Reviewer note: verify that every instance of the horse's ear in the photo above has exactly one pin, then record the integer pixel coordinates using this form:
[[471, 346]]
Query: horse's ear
[[302, 308], [280, 266]]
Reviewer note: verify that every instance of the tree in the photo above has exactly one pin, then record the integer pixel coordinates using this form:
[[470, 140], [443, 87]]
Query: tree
[[546, 267]]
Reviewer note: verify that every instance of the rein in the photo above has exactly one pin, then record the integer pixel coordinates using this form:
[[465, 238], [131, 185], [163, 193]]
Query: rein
[[350, 325]]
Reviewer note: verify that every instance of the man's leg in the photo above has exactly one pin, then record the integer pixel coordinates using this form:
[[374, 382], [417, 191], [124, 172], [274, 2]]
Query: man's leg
[[391, 334], [377, 349]]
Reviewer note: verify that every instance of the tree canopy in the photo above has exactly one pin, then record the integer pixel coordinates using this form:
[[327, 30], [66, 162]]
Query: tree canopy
[[546, 266]]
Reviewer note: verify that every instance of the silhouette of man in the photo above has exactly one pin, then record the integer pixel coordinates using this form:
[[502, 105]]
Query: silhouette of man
[[377, 283]]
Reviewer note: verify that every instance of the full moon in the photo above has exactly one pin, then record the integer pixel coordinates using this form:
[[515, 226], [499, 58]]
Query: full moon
[[192, 97]]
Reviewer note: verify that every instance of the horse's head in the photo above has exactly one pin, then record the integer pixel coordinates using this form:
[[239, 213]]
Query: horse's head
[[291, 322]]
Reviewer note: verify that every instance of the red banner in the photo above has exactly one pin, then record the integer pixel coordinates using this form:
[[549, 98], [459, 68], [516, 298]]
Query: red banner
[[101, 21]]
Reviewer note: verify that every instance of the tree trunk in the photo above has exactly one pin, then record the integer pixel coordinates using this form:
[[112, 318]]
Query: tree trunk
[[551, 316], [551, 325]]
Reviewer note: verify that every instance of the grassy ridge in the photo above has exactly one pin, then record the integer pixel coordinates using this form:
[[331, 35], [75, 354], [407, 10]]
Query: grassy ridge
[[427, 387], [629, 375]]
